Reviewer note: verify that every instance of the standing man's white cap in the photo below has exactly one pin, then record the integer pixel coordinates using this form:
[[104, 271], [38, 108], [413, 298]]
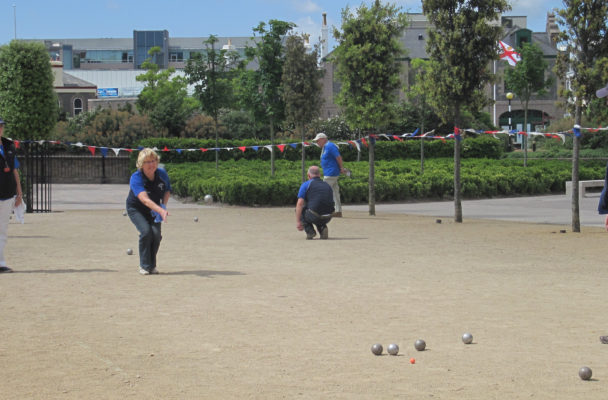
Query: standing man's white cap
[[320, 136], [603, 92]]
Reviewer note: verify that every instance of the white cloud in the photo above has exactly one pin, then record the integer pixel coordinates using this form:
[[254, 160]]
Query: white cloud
[[309, 26], [306, 6]]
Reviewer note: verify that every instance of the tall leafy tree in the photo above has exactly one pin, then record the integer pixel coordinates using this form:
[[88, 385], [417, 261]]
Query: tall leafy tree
[[527, 79], [302, 91], [164, 99], [462, 42], [585, 26], [211, 74], [264, 85], [27, 98], [369, 70], [416, 94]]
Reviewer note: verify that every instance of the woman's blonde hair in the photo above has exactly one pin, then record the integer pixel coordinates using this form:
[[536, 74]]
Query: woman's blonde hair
[[144, 155]]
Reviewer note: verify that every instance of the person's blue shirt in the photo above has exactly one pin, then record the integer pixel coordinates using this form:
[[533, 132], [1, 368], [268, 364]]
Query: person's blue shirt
[[155, 189], [319, 197], [304, 189], [16, 160], [328, 159], [137, 182]]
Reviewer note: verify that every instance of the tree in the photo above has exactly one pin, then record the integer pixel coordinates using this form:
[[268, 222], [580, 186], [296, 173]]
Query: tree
[[28, 102], [301, 86], [417, 100], [585, 25], [264, 85], [461, 44], [527, 79], [106, 128], [211, 75], [369, 70], [164, 100]]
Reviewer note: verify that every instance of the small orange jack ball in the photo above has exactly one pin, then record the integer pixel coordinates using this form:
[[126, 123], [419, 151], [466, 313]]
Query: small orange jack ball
[[412, 361]]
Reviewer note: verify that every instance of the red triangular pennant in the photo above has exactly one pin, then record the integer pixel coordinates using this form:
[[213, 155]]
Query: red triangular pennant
[[91, 149]]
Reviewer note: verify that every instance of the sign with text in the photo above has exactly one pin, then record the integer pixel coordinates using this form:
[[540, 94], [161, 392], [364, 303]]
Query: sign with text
[[107, 92]]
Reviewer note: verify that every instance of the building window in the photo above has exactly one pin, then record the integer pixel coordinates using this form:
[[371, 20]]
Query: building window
[[77, 106], [127, 57], [176, 56]]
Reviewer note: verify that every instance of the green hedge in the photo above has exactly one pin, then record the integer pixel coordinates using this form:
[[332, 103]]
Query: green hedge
[[473, 147], [246, 182]]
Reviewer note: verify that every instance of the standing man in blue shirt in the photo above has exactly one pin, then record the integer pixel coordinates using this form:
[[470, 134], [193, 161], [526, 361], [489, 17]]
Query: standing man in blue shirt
[[10, 190], [315, 205], [331, 162]]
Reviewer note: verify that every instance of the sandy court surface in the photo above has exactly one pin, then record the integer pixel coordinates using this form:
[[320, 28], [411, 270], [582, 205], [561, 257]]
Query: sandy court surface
[[246, 308]]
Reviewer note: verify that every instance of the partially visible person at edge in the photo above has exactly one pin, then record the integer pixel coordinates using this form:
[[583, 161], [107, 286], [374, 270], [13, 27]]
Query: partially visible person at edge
[[10, 190], [147, 207], [331, 162], [315, 205], [603, 92]]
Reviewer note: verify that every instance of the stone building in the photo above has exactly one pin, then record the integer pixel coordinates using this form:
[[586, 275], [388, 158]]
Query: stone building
[[73, 93]]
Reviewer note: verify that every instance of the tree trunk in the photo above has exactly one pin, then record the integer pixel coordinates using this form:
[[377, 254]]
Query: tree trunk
[[457, 195], [217, 141], [372, 173], [359, 152], [272, 146], [422, 147], [525, 129], [576, 223], [303, 154]]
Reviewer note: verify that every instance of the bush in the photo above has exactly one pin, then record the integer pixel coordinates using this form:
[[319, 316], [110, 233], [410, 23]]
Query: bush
[[180, 150], [248, 182]]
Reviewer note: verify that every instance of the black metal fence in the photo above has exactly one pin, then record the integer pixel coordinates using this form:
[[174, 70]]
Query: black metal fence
[[40, 167], [35, 172]]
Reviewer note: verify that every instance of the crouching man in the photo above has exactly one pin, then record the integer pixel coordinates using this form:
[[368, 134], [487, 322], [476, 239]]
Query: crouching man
[[315, 205]]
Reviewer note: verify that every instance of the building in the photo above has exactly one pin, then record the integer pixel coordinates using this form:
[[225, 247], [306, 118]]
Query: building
[[111, 65], [73, 93], [541, 110]]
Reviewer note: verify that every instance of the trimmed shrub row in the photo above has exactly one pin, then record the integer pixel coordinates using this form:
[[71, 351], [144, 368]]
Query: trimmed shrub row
[[249, 183], [473, 147]]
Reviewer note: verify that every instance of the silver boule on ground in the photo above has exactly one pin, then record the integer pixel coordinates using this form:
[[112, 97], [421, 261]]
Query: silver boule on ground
[[585, 373], [377, 349]]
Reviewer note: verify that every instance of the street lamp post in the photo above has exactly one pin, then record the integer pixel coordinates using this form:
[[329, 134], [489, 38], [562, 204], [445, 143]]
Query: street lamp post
[[509, 96]]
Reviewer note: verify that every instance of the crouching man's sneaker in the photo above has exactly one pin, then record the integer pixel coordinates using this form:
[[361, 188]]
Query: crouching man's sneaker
[[325, 232]]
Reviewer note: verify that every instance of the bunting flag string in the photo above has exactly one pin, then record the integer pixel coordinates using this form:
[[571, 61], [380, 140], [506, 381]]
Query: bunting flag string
[[363, 141]]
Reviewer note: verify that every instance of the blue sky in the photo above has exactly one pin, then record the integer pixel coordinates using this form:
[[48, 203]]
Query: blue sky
[[47, 19]]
